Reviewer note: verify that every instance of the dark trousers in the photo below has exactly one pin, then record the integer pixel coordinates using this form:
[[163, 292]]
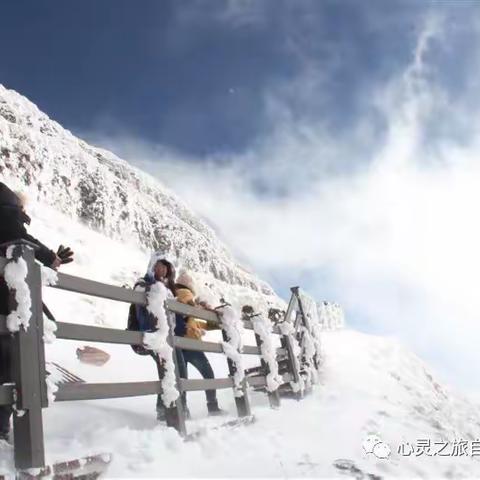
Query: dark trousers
[[200, 361]]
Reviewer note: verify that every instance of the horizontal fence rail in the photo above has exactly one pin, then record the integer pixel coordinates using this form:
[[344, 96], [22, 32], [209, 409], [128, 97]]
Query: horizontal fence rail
[[98, 289], [99, 391], [70, 331], [91, 333], [192, 385], [189, 311], [248, 325], [87, 333], [197, 345]]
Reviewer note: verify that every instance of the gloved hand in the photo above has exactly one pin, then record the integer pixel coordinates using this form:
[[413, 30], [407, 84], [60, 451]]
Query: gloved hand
[[65, 254], [205, 305], [56, 263]]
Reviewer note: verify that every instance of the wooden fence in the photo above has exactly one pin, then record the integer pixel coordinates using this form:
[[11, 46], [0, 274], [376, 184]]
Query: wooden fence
[[27, 393]]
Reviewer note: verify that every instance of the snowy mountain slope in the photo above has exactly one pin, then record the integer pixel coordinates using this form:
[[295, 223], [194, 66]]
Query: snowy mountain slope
[[369, 385], [105, 192], [93, 186]]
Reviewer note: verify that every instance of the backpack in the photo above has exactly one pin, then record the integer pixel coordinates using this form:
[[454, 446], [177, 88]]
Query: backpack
[[180, 324], [134, 326]]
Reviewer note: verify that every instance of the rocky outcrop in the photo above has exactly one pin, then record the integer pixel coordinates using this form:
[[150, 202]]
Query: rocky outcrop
[[107, 193]]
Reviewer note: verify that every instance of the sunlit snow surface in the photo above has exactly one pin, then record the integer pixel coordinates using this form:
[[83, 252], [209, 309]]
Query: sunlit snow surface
[[368, 386]]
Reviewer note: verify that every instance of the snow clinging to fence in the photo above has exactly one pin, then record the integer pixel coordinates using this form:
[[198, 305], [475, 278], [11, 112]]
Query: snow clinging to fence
[[233, 327], [15, 275], [157, 341]]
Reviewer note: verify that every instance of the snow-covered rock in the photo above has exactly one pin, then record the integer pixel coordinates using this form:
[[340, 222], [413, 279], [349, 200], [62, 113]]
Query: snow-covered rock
[[330, 315], [108, 194]]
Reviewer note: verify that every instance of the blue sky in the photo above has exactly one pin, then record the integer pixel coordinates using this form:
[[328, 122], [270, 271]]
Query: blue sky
[[193, 75], [332, 144]]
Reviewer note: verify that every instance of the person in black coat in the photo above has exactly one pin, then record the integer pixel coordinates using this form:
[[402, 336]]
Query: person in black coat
[[12, 226], [13, 221]]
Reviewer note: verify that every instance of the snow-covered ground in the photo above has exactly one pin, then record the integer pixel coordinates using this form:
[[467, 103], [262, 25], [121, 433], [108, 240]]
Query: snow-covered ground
[[368, 386]]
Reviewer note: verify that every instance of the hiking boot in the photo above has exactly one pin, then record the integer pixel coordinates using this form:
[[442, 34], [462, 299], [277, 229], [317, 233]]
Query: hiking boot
[[214, 410]]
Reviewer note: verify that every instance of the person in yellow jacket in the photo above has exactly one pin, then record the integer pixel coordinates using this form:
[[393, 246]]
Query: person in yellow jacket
[[195, 328]]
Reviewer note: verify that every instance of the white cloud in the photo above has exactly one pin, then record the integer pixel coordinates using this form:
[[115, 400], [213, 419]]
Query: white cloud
[[396, 236], [236, 13]]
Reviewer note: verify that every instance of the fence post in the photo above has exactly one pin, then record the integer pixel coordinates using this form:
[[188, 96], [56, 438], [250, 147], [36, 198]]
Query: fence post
[[300, 314], [28, 371], [306, 322], [243, 402], [286, 343], [175, 414], [273, 397]]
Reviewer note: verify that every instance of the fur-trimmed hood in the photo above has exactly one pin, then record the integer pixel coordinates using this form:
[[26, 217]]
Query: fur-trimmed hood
[[159, 256], [185, 279], [11, 208], [156, 257], [8, 198]]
